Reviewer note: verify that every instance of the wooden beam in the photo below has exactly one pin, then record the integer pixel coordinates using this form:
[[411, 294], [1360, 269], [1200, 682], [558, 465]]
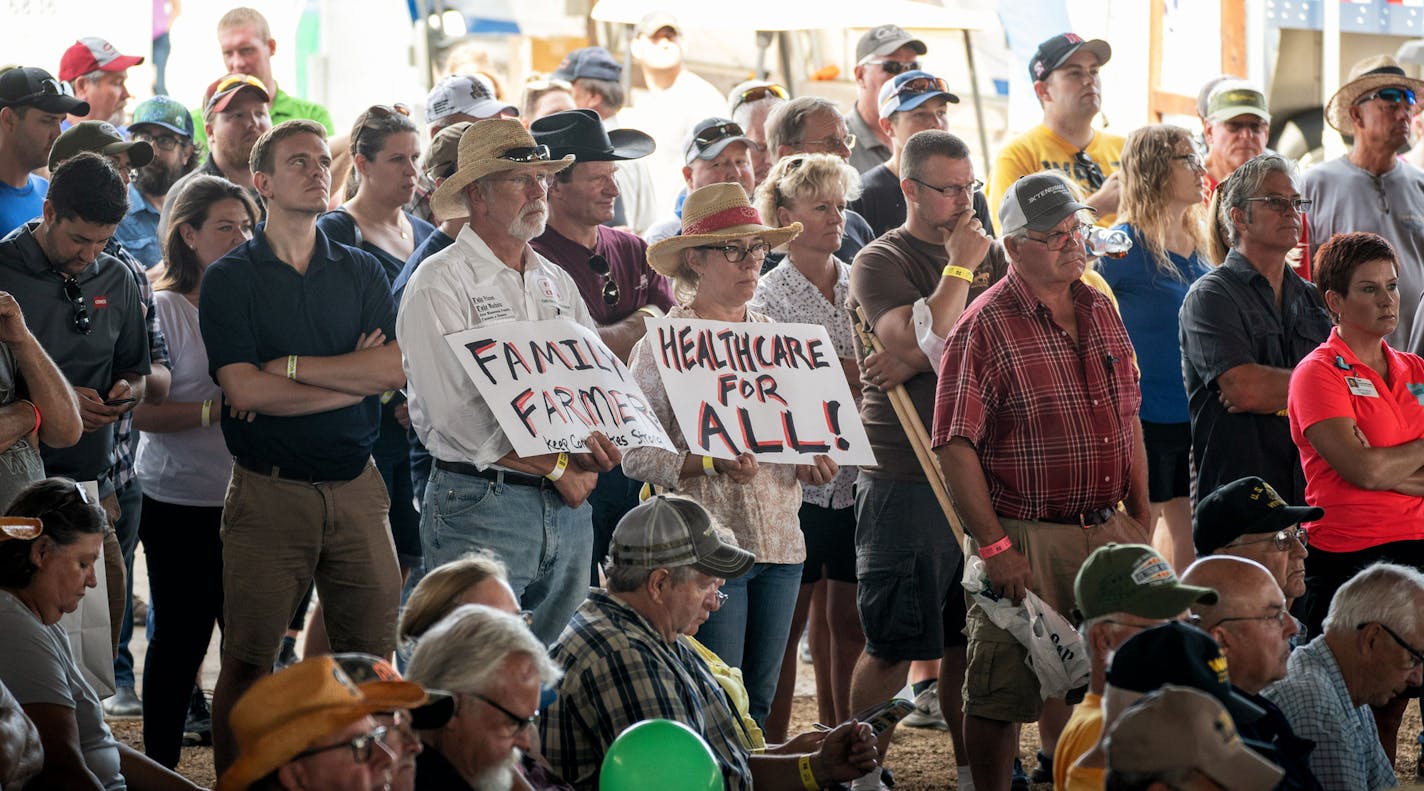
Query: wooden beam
[[1154, 59], [1233, 37]]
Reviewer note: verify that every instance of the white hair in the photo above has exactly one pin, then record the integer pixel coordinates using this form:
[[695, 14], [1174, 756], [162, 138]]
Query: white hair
[[465, 651], [1384, 593]]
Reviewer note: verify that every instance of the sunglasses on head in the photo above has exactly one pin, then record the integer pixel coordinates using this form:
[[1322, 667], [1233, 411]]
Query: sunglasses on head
[[48, 87], [757, 93], [599, 265], [922, 85], [712, 134], [893, 67], [526, 154], [376, 111], [1391, 95]]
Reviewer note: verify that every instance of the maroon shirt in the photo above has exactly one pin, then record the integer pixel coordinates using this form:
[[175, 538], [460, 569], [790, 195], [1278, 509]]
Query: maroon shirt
[[1052, 422], [627, 257]]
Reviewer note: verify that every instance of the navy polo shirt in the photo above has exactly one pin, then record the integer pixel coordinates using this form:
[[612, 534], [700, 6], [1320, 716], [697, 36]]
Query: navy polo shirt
[[116, 344], [255, 307]]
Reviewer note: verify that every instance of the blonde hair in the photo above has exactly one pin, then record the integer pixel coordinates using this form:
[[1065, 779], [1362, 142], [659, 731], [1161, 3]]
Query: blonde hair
[[246, 17], [439, 592], [803, 176], [1148, 162]]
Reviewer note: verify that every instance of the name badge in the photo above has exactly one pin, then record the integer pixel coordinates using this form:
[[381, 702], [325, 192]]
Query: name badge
[[1361, 387], [546, 295], [490, 307]]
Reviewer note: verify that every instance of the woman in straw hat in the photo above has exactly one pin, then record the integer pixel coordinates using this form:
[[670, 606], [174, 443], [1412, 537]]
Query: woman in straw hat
[[714, 266], [50, 544], [810, 285]]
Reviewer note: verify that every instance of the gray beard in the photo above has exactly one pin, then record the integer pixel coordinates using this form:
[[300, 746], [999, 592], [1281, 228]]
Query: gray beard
[[499, 777]]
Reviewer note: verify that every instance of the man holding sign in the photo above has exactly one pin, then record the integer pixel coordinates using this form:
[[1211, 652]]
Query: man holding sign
[[528, 509]]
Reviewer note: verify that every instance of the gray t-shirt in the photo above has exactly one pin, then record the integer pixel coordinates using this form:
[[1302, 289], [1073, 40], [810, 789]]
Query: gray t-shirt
[[1347, 198], [38, 667]]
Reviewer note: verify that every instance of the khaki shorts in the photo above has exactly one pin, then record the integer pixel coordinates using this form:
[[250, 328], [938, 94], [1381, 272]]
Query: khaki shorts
[[997, 683], [280, 535]]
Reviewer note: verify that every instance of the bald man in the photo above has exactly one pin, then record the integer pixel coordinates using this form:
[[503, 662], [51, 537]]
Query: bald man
[[1250, 622]]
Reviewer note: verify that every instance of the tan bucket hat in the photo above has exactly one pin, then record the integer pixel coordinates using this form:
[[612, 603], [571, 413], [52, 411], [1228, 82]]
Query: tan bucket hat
[[1367, 76], [712, 214], [491, 146]]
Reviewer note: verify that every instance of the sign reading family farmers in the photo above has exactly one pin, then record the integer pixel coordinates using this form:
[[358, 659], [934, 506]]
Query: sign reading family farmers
[[774, 390], [552, 383]]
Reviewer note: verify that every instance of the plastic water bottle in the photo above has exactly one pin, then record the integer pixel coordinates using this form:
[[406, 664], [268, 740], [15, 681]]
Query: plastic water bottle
[[1107, 242]]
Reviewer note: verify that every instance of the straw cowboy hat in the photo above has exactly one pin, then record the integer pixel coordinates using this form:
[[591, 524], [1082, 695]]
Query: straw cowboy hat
[[715, 214], [289, 711], [1367, 76], [491, 146]]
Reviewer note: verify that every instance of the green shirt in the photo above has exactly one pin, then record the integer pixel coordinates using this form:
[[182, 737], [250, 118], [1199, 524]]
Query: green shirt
[[284, 108]]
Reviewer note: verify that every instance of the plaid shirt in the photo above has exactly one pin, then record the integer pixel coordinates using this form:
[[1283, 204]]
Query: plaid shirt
[[1347, 755], [617, 671], [121, 463], [1052, 421]]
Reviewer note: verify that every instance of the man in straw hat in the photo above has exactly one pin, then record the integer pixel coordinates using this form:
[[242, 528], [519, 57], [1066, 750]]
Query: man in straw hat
[[623, 661], [912, 283], [1369, 189], [310, 727], [297, 331], [528, 510], [1037, 495], [1179, 737]]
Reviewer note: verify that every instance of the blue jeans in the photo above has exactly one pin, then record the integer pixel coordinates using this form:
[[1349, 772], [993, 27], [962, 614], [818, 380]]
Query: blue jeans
[[545, 544], [750, 630], [131, 505]]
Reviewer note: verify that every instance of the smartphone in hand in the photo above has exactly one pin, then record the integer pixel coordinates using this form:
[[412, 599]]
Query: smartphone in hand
[[120, 401]]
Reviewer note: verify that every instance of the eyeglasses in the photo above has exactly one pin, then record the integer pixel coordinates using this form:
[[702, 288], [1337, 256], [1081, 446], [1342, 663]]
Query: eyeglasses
[[48, 87], [527, 180], [82, 324], [398, 728], [831, 142], [951, 190], [527, 154], [160, 142], [893, 67], [519, 723], [1254, 127], [721, 597], [1192, 161], [1279, 616], [362, 747], [1059, 239], [599, 265], [1281, 205], [758, 92], [712, 134], [1281, 539], [528, 617], [1415, 658], [1088, 170], [735, 254], [1391, 95], [376, 111]]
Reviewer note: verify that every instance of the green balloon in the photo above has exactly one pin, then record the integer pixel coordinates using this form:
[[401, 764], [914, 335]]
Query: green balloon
[[656, 755]]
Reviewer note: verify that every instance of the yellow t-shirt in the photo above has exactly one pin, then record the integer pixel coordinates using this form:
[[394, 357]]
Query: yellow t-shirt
[[1093, 278], [1040, 149], [1078, 737]]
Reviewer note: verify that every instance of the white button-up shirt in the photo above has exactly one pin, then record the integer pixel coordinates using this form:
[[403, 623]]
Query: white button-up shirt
[[459, 288]]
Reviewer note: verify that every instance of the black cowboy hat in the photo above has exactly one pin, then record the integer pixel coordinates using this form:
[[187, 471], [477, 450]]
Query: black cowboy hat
[[581, 133]]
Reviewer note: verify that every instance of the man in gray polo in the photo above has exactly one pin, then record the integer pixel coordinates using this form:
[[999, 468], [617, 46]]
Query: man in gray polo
[[881, 53]]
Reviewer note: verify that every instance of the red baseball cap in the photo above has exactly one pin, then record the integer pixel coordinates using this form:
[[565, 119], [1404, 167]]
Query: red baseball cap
[[93, 54], [221, 91]]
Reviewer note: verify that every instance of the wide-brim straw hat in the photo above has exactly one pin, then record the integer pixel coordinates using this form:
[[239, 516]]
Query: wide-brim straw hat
[[1367, 76], [714, 214], [289, 711], [485, 148]]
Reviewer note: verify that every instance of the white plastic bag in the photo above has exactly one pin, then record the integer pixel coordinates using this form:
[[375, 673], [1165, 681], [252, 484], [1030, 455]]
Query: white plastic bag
[[1055, 649]]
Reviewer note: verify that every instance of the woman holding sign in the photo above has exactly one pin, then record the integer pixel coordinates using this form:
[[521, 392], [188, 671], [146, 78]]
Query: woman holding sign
[[714, 265], [810, 286]]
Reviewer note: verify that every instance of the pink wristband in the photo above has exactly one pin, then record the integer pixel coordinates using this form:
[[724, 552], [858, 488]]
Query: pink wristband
[[997, 548]]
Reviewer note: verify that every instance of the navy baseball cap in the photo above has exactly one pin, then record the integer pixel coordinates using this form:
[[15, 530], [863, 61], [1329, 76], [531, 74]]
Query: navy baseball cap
[[1246, 505], [594, 63], [1178, 653], [31, 86], [1056, 51], [909, 90]]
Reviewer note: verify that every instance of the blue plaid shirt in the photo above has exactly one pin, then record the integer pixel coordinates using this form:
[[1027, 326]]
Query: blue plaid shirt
[[1313, 696], [121, 462]]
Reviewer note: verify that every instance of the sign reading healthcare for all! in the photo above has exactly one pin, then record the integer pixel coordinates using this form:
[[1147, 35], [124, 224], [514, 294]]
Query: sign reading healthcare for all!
[[552, 383], [774, 390]]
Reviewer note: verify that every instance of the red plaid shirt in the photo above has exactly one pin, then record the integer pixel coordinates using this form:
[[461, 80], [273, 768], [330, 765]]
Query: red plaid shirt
[[1052, 423]]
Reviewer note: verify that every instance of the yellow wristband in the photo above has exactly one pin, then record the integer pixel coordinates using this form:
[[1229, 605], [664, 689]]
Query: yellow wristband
[[1283, 412], [559, 467], [652, 310], [808, 778], [207, 413], [292, 367], [967, 275], [709, 466]]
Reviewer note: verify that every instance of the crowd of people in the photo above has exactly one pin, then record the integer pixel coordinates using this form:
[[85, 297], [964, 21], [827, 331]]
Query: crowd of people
[[223, 334]]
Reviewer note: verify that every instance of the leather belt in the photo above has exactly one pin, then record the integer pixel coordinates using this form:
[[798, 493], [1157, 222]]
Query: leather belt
[[272, 471], [513, 478], [1084, 520]]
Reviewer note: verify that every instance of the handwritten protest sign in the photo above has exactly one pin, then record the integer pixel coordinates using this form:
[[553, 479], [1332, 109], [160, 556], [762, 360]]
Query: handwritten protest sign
[[552, 383], [775, 390]]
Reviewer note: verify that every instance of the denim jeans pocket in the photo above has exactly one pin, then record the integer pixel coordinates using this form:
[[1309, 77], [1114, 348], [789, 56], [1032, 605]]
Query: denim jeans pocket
[[457, 501]]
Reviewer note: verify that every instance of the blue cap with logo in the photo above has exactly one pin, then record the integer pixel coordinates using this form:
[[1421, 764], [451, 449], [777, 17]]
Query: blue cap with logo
[[909, 90], [166, 112]]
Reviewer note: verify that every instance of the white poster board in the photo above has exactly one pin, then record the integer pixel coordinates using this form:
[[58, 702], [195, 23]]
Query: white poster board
[[552, 383], [774, 390]]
